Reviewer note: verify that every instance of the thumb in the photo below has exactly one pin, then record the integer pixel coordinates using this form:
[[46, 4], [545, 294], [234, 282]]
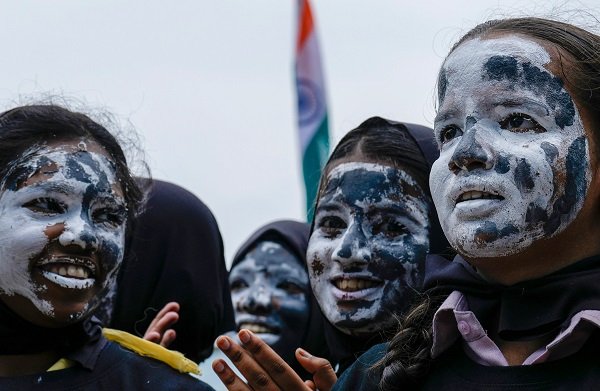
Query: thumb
[[324, 376]]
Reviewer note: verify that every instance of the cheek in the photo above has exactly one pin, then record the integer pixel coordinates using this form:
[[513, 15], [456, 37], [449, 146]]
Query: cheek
[[318, 257], [397, 260], [438, 180]]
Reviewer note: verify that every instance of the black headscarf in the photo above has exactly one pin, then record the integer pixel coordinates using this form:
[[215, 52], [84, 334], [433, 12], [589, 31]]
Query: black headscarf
[[344, 349], [175, 254], [293, 235]]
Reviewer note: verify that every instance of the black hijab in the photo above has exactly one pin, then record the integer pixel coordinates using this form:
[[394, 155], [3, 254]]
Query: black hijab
[[175, 254], [344, 349], [293, 235]]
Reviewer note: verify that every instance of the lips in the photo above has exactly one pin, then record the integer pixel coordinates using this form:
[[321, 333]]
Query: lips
[[259, 328], [354, 284], [69, 271]]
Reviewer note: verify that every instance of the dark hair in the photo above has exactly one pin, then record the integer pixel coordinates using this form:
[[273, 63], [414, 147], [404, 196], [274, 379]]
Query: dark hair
[[25, 127], [408, 356], [379, 140]]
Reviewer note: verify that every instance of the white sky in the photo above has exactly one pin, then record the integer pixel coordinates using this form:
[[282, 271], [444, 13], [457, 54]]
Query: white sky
[[209, 85]]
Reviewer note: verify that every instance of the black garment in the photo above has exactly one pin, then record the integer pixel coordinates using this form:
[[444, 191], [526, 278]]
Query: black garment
[[455, 371], [115, 369], [344, 349], [526, 310], [293, 235], [175, 254]]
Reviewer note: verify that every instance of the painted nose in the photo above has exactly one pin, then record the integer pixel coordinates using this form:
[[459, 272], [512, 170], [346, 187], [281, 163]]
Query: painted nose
[[353, 249], [470, 153], [258, 301], [78, 232]]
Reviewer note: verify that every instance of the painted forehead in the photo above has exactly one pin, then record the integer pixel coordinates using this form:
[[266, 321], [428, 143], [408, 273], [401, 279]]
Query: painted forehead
[[355, 183], [272, 255], [510, 63], [73, 164]]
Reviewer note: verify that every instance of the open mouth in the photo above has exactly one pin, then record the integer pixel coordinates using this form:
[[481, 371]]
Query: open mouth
[[69, 272], [259, 328], [354, 284], [478, 195]]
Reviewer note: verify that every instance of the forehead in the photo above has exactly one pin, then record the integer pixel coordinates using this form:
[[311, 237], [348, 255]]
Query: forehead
[[78, 162], [269, 256], [368, 182]]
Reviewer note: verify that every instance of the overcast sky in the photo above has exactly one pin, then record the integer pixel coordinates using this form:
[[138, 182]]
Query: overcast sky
[[209, 85]]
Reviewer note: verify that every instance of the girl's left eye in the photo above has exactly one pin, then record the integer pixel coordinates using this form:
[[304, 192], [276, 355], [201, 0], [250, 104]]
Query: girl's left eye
[[290, 287], [390, 228], [109, 216], [521, 123], [47, 206]]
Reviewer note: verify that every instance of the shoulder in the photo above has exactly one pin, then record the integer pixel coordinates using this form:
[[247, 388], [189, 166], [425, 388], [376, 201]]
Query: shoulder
[[361, 375], [138, 372]]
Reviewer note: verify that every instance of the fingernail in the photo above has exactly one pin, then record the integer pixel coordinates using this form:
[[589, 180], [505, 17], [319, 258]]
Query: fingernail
[[223, 343], [244, 336], [219, 367], [304, 353]]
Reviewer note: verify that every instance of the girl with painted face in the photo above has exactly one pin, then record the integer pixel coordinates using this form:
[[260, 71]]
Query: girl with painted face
[[67, 202], [271, 292], [374, 225], [517, 188]]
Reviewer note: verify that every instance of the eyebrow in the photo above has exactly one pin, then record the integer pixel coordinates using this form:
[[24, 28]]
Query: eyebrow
[[523, 102], [445, 115]]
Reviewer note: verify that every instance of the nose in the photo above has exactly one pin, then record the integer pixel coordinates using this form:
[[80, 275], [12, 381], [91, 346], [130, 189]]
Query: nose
[[257, 301], [471, 153], [353, 250], [77, 231]]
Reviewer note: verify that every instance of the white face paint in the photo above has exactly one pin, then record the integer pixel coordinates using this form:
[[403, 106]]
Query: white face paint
[[62, 228], [367, 251], [513, 166], [269, 291]]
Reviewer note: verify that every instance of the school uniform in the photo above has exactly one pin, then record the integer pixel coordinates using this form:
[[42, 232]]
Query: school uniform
[[565, 305]]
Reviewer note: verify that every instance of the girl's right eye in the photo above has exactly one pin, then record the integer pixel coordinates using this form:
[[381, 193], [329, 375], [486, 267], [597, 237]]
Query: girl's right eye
[[449, 132], [237, 285], [47, 206], [332, 225]]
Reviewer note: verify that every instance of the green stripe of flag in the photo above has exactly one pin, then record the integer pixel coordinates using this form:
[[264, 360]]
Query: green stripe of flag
[[313, 161]]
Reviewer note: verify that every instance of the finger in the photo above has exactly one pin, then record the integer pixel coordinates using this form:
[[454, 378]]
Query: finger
[[168, 338], [310, 384], [277, 369], [152, 336], [228, 377], [256, 376], [172, 306], [323, 374]]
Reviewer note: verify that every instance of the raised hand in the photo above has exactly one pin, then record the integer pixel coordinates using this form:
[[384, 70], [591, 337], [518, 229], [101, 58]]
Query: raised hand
[[159, 330]]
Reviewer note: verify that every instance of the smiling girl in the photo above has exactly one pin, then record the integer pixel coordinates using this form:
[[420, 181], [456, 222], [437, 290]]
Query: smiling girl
[[67, 202], [517, 188]]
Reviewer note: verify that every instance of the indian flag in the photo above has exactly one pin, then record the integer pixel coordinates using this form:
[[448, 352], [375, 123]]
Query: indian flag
[[312, 108]]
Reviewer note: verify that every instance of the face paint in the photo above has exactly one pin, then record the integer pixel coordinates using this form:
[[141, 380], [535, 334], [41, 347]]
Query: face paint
[[367, 251], [269, 290], [513, 166], [62, 228]]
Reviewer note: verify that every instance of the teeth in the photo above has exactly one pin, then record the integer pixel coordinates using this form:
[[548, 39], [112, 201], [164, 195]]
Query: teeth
[[256, 328], [70, 271], [354, 284], [475, 195]]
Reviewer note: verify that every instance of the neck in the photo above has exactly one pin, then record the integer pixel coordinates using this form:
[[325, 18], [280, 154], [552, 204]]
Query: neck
[[543, 257], [26, 364]]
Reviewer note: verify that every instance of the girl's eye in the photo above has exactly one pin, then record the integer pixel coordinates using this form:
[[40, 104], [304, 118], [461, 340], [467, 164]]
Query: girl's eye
[[450, 132], [47, 206], [521, 123], [332, 225], [390, 228], [109, 216], [238, 284], [290, 287]]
